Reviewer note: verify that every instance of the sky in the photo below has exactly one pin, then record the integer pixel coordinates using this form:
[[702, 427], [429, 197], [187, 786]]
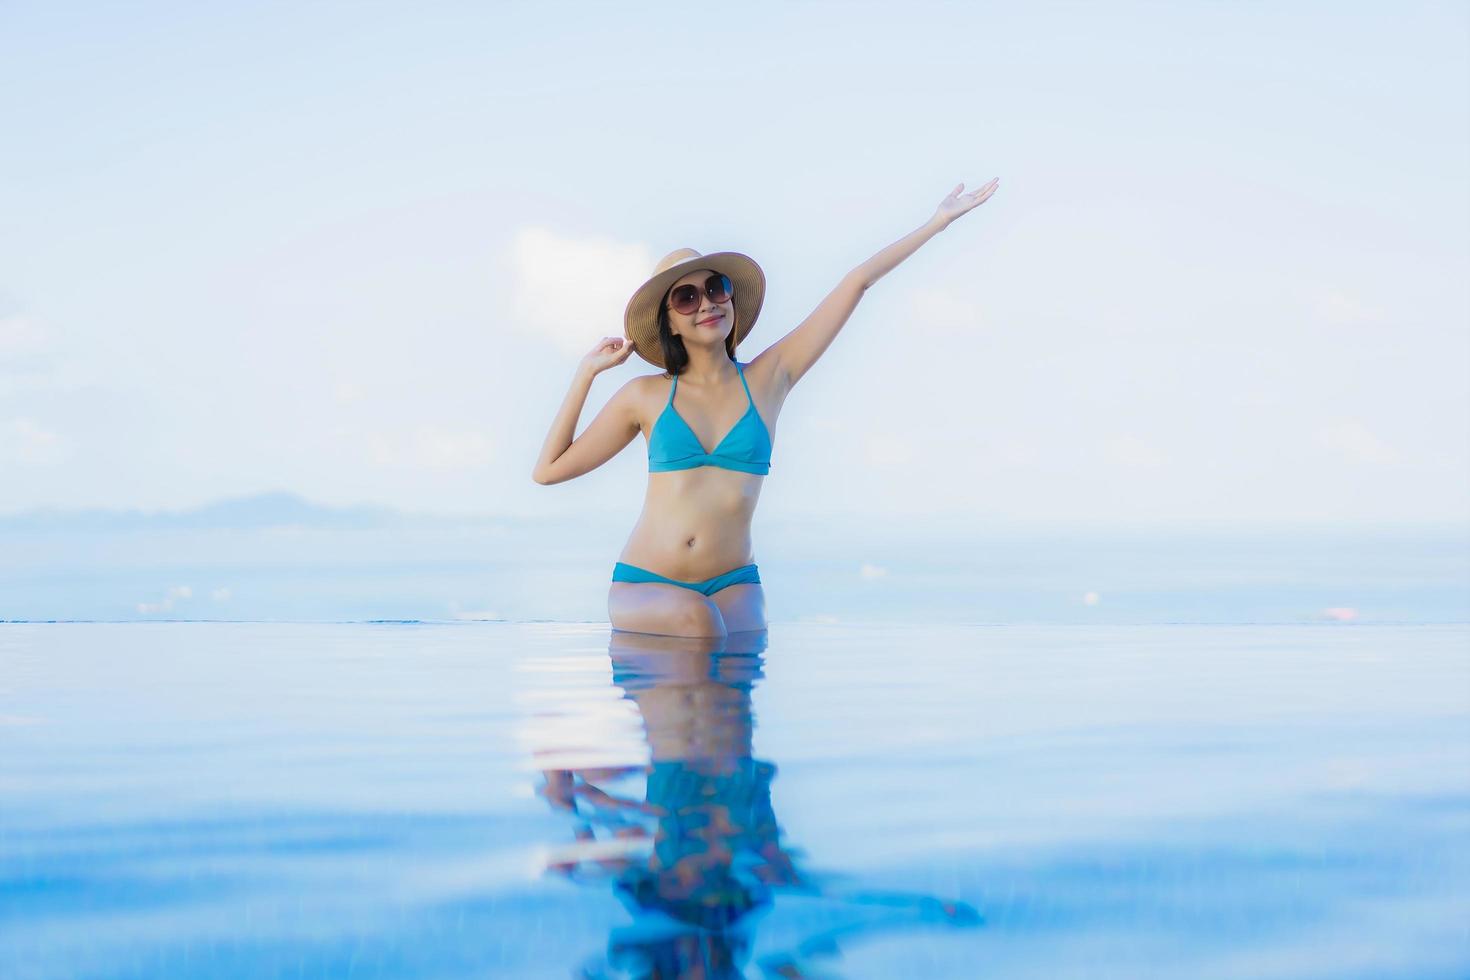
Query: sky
[[355, 251]]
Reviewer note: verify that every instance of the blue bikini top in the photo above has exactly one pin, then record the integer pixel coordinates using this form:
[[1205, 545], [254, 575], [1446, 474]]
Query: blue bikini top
[[672, 445]]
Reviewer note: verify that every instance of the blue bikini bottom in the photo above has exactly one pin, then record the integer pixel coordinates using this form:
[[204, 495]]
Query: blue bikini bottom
[[623, 572]]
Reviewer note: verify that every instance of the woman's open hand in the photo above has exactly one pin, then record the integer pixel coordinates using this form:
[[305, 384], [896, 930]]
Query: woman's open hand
[[956, 204], [609, 352]]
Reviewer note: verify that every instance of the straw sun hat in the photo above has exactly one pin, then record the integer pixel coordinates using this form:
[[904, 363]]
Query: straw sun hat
[[640, 319]]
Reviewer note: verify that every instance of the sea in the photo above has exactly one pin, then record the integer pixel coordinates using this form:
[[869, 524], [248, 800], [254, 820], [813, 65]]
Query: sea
[[285, 749]]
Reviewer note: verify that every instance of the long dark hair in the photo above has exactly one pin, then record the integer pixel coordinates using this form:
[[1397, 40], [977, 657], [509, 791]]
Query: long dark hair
[[676, 358]]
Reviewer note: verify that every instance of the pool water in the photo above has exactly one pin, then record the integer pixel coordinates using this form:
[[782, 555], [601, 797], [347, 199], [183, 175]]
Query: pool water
[[559, 800]]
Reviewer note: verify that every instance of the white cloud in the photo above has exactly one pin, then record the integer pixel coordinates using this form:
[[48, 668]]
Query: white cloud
[[1003, 451], [1336, 306], [944, 310], [1132, 451], [23, 336], [22, 440], [347, 392], [1356, 442], [888, 450], [434, 447], [572, 291], [167, 603], [1258, 398], [868, 571], [35, 359]]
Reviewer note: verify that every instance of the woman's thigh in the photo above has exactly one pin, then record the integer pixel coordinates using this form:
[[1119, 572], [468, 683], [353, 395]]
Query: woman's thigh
[[743, 607], [669, 610]]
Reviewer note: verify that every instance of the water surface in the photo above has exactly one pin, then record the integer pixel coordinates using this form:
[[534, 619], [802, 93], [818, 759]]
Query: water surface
[[529, 800]]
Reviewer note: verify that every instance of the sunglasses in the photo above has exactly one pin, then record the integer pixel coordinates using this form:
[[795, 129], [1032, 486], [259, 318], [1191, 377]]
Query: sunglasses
[[685, 299]]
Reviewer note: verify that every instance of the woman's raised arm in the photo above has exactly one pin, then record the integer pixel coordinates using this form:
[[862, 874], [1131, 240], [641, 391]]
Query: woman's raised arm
[[561, 457], [796, 352]]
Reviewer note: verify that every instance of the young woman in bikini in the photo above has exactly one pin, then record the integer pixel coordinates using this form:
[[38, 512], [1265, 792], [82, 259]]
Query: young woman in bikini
[[688, 568]]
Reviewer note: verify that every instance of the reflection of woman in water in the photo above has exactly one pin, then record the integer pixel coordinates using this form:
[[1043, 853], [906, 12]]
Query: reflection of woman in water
[[688, 568], [701, 856]]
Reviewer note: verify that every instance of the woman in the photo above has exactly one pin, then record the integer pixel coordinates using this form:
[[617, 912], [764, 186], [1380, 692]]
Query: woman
[[688, 568]]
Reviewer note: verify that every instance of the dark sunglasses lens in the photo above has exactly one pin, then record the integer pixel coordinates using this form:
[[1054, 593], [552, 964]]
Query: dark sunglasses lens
[[718, 287], [684, 299]]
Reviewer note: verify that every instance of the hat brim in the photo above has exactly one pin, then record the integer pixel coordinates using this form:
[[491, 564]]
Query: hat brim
[[747, 282]]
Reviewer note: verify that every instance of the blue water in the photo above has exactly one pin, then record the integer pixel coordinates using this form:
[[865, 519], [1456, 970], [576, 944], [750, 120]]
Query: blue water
[[903, 800], [890, 570]]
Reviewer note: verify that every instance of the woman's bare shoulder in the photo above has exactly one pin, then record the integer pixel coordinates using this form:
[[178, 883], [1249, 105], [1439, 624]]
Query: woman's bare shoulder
[[646, 384], [648, 391]]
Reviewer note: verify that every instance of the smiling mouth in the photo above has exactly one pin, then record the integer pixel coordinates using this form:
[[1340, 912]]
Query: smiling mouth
[[712, 319]]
